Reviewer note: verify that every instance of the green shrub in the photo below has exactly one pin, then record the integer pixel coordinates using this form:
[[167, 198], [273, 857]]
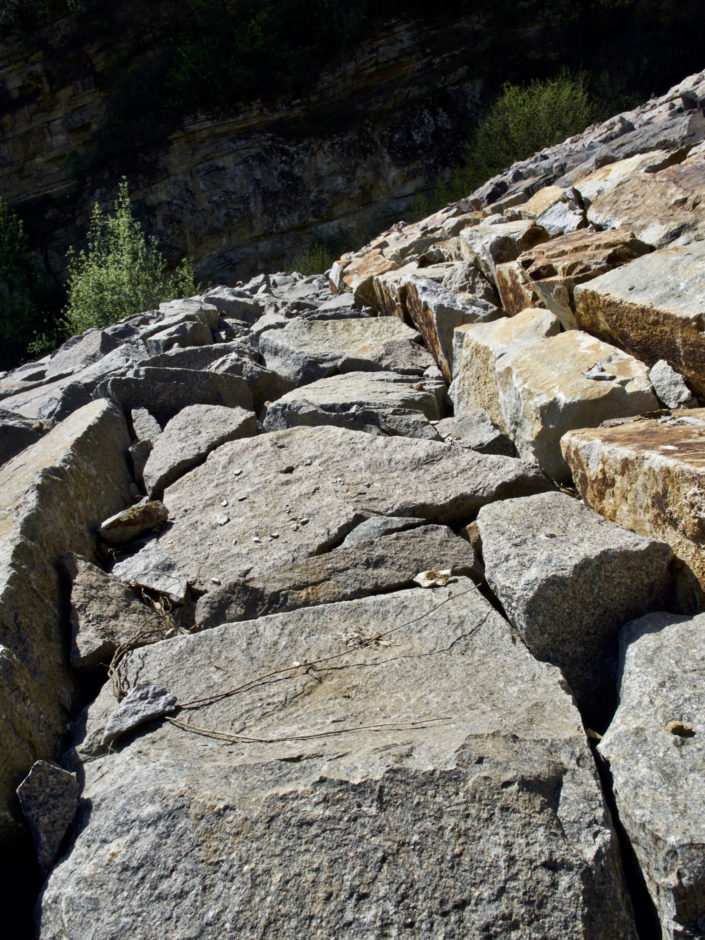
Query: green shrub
[[522, 120], [121, 272], [315, 259]]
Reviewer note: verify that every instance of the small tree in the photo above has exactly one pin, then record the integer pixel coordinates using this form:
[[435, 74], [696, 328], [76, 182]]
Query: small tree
[[522, 120], [121, 272]]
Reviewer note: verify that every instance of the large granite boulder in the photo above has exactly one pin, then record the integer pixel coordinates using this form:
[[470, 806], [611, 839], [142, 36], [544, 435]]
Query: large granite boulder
[[655, 749], [407, 769], [284, 496], [648, 475], [568, 580], [652, 308], [51, 496]]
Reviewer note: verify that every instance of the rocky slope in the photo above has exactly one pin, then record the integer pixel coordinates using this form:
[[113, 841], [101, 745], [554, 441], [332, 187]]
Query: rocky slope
[[387, 587]]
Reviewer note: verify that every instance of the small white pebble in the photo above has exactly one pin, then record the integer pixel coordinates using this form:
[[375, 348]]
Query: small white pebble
[[216, 581], [224, 503], [274, 535], [256, 539], [223, 520], [295, 527], [296, 663], [236, 473]]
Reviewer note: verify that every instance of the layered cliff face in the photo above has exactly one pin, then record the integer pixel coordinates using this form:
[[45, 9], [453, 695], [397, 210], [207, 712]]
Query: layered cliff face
[[246, 192]]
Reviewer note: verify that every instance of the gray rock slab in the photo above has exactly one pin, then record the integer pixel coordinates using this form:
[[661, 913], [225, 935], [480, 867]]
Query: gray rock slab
[[145, 425], [105, 615], [145, 702], [388, 563], [431, 779], [402, 422], [568, 580], [476, 430], [189, 437], [304, 351], [655, 748], [48, 796], [670, 386], [51, 495], [265, 385], [16, 433], [377, 526], [167, 391], [179, 335], [291, 494], [234, 303], [346, 395]]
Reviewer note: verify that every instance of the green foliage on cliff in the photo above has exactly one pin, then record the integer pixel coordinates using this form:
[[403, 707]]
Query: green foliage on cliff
[[521, 121], [121, 272]]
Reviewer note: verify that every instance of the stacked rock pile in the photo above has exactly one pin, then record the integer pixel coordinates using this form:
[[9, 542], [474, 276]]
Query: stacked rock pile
[[391, 581]]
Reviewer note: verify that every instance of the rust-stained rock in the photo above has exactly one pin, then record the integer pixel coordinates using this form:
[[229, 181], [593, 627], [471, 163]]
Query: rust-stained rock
[[647, 475], [664, 203], [542, 200], [550, 271], [358, 275], [653, 308]]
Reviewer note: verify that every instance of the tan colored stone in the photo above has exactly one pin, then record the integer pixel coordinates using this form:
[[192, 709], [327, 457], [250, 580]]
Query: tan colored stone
[[647, 475], [653, 308], [663, 207], [358, 275], [571, 380], [542, 200], [485, 348], [51, 495], [550, 271], [490, 245]]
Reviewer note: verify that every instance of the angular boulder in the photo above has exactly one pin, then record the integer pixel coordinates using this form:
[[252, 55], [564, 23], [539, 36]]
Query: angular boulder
[[653, 309], [52, 495], [304, 351], [278, 498], [370, 784], [384, 400], [655, 749], [647, 475], [568, 580], [189, 437]]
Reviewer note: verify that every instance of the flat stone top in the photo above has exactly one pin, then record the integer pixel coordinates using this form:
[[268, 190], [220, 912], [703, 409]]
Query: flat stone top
[[670, 280], [384, 388], [342, 337], [678, 438], [283, 496], [425, 681]]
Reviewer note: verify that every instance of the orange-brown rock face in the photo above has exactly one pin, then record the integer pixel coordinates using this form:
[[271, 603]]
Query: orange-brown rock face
[[647, 475]]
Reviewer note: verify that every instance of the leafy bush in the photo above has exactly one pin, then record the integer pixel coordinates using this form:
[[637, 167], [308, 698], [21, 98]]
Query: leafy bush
[[522, 120], [121, 272], [20, 284], [316, 259]]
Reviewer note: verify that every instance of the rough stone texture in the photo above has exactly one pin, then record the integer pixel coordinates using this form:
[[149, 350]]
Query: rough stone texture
[[358, 399], [436, 312], [357, 275], [133, 522], [388, 563], [329, 810], [143, 703], [305, 351], [48, 796], [486, 347], [663, 206], [490, 245], [647, 475], [670, 386], [145, 425], [16, 433], [571, 380], [234, 303], [655, 747], [653, 309], [296, 493], [551, 270], [169, 390], [476, 431], [568, 580], [377, 526], [105, 614], [189, 437], [52, 494]]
